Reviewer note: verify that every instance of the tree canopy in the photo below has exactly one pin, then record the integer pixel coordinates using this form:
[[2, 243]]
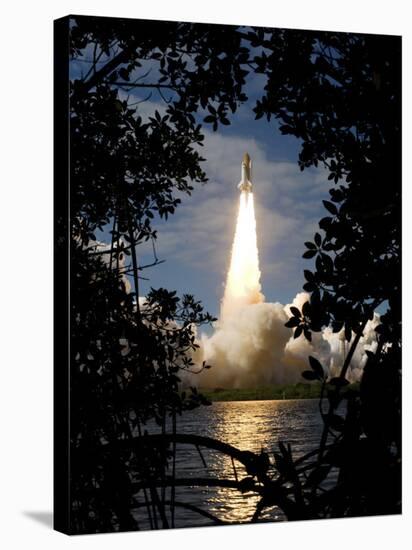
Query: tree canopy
[[127, 355], [340, 94]]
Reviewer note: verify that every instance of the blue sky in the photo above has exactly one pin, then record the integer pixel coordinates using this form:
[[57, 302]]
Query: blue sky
[[196, 242]]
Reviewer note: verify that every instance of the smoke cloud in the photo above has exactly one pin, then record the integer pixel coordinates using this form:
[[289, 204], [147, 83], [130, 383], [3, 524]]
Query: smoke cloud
[[253, 348]]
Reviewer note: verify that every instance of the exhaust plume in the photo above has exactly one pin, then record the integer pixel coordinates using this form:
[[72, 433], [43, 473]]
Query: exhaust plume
[[243, 278]]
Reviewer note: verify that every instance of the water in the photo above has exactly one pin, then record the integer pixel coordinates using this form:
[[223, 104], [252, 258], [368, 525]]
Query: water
[[249, 426]]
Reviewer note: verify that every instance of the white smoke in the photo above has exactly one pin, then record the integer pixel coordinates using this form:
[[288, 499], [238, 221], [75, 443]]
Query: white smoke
[[254, 348], [251, 346]]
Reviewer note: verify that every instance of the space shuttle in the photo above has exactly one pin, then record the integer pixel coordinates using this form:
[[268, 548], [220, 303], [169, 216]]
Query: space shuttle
[[245, 183]]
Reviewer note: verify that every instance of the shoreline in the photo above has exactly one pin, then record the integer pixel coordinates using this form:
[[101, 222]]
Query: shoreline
[[278, 392]]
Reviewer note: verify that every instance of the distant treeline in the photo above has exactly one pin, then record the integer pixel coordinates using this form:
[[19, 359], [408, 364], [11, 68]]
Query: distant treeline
[[279, 391]]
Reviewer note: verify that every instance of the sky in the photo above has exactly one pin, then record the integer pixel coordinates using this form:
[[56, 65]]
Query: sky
[[195, 242]]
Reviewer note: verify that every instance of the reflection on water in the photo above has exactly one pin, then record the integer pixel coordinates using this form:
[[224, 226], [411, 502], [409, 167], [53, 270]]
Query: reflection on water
[[247, 425]]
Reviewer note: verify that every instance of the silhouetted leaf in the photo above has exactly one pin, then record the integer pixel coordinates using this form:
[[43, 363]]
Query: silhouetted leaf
[[309, 375], [293, 322], [325, 223], [316, 367], [330, 207], [309, 254], [298, 332], [307, 333], [306, 308], [309, 287], [294, 310], [309, 276]]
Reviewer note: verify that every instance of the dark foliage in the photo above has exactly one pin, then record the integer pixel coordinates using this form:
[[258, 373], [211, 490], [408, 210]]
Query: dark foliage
[[341, 95], [126, 357], [125, 371]]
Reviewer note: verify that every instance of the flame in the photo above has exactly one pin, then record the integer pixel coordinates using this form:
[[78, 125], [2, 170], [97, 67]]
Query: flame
[[243, 278]]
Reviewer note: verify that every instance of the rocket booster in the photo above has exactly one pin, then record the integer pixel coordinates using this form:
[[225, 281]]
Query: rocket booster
[[245, 183]]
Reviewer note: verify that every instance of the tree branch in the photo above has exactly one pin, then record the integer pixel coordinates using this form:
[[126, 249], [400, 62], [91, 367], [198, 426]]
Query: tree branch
[[130, 86], [98, 76]]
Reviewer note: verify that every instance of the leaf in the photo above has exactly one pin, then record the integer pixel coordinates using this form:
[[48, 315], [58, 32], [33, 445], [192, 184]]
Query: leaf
[[246, 484], [309, 375], [284, 450], [118, 105], [316, 367], [308, 334], [309, 287], [310, 245], [285, 129], [298, 331], [309, 276], [281, 463], [294, 310], [293, 322], [337, 326], [309, 254], [318, 239], [306, 308], [209, 118], [327, 262], [124, 73], [325, 223], [330, 207]]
